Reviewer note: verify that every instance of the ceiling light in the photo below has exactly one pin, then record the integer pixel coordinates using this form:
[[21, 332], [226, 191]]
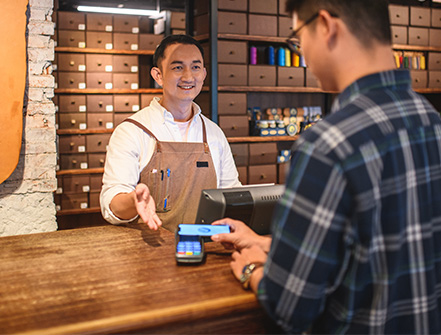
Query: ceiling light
[[112, 10]]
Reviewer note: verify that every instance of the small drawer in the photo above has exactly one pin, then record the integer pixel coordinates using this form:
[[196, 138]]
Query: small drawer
[[435, 37], [71, 38], [100, 103], [126, 64], [71, 103], [262, 25], [420, 16], [96, 182], [234, 125], [285, 26], [71, 144], [145, 25], [434, 61], [99, 22], [262, 75], [99, 40], [232, 52], [101, 80], [290, 76], [201, 24], [232, 23], [262, 174], [76, 184], [233, 74], [71, 62], [149, 41], [71, 21], [232, 103], [100, 121], [282, 8], [126, 24], [94, 199], [399, 15], [399, 34], [73, 162], [240, 153], [263, 6], [434, 79], [436, 18], [419, 79], [99, 63], [263, 153], [72, 121], [71, 80], [418, 36], [243, 174], [311, 80], [120, 117], [283, 170], [126, 81], [125, 41], [233, 5], [146, 99], [96, 160], [74, 201], [177, 20], [97, 142]]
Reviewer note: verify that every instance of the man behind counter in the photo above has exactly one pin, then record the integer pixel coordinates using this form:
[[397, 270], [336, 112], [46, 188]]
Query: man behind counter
[[159, 160], [356, 236]]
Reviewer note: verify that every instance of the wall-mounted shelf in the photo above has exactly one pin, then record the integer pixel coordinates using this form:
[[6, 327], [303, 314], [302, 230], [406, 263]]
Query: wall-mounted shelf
[[109, 91], [78, 211], [80, 171], [103, 51]]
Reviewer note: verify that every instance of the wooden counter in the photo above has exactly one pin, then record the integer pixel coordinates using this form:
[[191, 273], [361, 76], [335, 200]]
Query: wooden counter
[[119, 279]]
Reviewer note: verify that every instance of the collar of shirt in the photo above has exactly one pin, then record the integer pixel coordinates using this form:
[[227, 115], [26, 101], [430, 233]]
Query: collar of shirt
[[393, 79], [167, 116]]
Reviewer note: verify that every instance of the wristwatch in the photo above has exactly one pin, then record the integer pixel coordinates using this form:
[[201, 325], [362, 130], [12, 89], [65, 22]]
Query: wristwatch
[[247, 271]]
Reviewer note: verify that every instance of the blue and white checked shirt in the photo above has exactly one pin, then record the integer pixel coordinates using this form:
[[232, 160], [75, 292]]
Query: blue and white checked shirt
[[357, 235]]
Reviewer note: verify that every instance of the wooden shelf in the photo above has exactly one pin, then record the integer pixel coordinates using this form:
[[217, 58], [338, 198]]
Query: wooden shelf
[[83, 131], [406, 47], [104, 51], [254, 139], [110, 91], [80, 171], [274, 89], [78, 211]]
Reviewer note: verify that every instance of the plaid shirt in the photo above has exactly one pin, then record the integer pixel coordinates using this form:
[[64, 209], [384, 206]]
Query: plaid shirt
[[357, 235]]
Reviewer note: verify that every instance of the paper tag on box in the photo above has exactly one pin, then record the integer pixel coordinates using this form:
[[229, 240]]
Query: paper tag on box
[[109, 108], [134, 86], [134, 47], [83, 205], [58, 208], [134, 68], [109, 46], [86, 188], [81, 26], [81, 45], [109, 68], [82, 108], [82, 148], [82, 85], [109, 125], [83, 126], [109, 28], [135, 108], [108, 86], [82, 68], [83, 165], [135, 30], [59, 190]]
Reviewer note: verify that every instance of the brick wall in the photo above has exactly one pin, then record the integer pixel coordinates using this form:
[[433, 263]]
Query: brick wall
[[26, 197]]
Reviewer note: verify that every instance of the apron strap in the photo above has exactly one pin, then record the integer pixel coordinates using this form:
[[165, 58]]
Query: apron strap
[[204, 136], [140, 125]]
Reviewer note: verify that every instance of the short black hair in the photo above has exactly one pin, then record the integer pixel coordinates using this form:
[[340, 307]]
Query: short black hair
[[368, 20], [174, 39]]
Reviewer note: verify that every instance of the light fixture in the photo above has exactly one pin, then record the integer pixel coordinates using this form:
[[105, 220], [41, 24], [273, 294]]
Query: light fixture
[[113, 10]]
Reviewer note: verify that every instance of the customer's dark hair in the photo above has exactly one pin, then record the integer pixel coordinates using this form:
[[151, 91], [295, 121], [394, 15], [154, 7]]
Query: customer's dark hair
[[174, 39], [368, 20]]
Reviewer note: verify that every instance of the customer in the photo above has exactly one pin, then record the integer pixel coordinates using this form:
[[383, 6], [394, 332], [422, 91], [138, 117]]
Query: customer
[[356, 237], [160, 159]]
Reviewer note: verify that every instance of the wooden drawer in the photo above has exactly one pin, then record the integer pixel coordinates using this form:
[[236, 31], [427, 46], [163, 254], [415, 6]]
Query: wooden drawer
[[94, 199], [126, 80], [232, 23], [96, 160], [399, 34], [263, 153], [72, 121], [125, 41], [99, 40], [435, 37], [97, 142], [126, 103], [149, 41], [234, 125], [120, 117], [71, 80], [240, 153], [126, 24], [100, 103], [283, 170], [419, 79], [74, 201], [71, 38], [262, 25], [262, 75], [126, 64], [233, 5], [71, 103], [177, 20], [71, 62], [96, 182], [434, 62], [418, 36], [99, 121], [282, 8], [420, 16], [311, 80], [71, 144], [436, 18], [73, 162], [232, 103], [101, 80], [290, 76], [71, 21], [76, 184], [99, 22], [232, 74], [99, 63], [232, 52], [399, 15], [243, 174], [285, 26], [263, 6], [262, 174], [146, 99], [434, 79]]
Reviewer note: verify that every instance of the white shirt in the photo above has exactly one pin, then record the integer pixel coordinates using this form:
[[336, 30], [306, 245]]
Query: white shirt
[[130, 149]]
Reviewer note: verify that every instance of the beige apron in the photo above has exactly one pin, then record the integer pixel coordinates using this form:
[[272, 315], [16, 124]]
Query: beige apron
[[176, 175]]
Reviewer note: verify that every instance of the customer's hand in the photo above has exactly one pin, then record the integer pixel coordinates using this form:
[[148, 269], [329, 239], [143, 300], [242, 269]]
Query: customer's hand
[[145, 206]]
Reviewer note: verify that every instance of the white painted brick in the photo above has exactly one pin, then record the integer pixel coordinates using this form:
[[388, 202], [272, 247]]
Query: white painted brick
[[41, 3], [40, 54], [41, 81], [39, 41], [39, 14], [46, 108], [41, 27], [36, 94]]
